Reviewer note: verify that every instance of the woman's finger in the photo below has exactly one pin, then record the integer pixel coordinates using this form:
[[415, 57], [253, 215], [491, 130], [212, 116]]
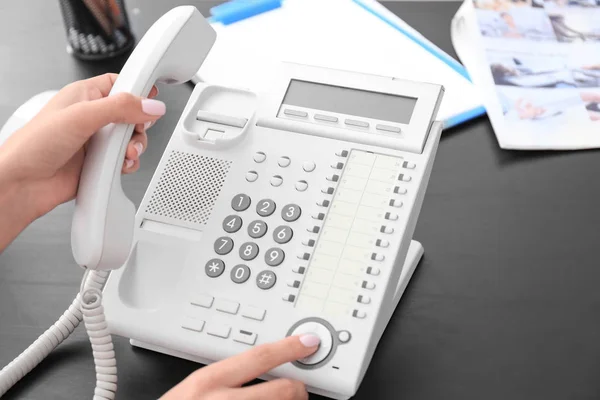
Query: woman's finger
[[130, 166], [137, 145], [240, 369], [280, 389]]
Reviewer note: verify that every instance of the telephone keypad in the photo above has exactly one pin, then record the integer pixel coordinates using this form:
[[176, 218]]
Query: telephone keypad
[[257, 229], [240, 273], [248, 251], [241, 202], [274, 257], [283, 234], [291, 212], [232, 224], [266, 279], [265, 207], [214, 268], [223, 245]]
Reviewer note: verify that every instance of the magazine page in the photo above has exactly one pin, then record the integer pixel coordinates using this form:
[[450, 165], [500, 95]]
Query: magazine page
[[537, 67]]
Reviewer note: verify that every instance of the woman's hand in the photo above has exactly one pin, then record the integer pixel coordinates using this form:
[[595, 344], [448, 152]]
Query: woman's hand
[[40, 164], [223, 380]]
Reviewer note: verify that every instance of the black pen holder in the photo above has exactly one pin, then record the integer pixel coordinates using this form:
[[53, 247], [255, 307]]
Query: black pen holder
[[96, 29]]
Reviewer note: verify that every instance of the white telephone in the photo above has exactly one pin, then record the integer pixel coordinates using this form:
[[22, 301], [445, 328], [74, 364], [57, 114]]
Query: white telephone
[[271, 214]]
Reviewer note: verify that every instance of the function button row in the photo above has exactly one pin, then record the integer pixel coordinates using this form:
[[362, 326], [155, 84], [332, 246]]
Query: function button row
[[230, 307]]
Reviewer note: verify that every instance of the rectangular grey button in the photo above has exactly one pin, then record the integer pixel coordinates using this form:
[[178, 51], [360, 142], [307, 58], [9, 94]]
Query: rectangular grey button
[[253, 313], [202, 300], [354, 122], [221, 331], [226, 306], [193, 324], [328, 118], [221, 119], [388, 128], [295, 113]]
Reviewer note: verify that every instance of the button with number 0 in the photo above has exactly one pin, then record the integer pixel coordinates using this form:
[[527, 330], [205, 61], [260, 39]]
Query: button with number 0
[[240, 202], [265, 207], [248, 251], [257, 229], [223, 245], [232, 224], [240, 273], [274, 256], [282, 234], [291, 212]]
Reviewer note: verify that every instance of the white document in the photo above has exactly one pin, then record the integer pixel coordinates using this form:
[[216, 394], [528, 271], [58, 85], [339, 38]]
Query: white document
[[337, 34], [537, 67]]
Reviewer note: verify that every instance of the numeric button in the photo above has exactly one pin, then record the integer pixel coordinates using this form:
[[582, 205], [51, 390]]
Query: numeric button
[[257, 229], [232, 224], [282, 234], [223, 245], [240, 273], [214, 268], [291, 212], [248, 251], [274, 257], [266, 279], [241, 202], [265, 207]]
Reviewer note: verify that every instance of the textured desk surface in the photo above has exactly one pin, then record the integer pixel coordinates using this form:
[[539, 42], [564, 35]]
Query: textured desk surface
[[505, 303]]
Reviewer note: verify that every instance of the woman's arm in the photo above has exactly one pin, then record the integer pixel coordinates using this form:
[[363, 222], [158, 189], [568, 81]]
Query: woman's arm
[[15, 211]]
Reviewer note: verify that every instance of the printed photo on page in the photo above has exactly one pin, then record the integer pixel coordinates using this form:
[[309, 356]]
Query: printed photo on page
[[542, 61]]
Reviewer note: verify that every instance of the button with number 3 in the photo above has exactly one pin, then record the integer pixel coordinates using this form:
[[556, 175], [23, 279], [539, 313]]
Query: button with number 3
[[282, 234], [291, 212]]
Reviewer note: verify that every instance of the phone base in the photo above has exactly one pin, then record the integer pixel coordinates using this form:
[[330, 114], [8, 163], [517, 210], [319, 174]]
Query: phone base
[[413, 256]]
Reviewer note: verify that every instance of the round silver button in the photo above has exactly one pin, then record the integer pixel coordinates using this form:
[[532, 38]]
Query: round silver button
[[301, 186], [309, 166], [251, 176], [276, 181], [344, 336], [260, 157], [284, 162]]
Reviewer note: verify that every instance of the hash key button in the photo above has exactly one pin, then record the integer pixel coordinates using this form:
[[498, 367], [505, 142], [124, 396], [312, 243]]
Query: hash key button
[[253, 313]]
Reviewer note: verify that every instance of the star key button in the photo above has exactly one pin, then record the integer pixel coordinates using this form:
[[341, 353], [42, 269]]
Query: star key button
[[214, 268]]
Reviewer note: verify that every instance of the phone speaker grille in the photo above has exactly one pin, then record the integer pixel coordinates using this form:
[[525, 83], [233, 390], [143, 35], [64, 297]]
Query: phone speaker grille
[[188, 188]]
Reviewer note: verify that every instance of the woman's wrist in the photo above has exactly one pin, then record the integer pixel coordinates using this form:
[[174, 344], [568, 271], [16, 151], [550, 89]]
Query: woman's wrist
[[16, 212]]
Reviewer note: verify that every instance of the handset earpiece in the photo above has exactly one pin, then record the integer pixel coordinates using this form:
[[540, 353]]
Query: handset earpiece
[[172, 51]]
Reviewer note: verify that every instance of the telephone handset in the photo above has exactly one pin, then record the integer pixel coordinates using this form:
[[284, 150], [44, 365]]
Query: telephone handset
[[172, 51], [269, 215]]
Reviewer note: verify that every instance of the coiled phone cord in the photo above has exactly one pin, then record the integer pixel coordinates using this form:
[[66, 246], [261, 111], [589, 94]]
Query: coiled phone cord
[[89, 310]]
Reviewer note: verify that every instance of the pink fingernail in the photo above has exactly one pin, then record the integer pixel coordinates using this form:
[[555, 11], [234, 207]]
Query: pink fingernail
[[128, 164], [139, 148], [310, 340], [153, 107], [148, 124]]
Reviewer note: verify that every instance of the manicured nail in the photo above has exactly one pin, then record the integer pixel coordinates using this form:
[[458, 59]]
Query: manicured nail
[[139, 148], [148, 124], [153, 107], [310, 340], [128, 164]]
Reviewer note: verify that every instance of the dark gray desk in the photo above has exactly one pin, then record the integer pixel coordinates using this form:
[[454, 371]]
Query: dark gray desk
[[505, 303]]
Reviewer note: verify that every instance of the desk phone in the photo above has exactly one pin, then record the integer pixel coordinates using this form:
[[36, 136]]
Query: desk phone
[[270, 214]]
